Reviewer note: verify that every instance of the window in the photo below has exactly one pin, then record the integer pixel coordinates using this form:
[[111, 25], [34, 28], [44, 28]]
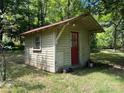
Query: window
[[37, 43]]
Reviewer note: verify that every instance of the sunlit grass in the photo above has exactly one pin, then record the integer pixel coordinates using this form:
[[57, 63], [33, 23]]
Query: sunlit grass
[[100, 79]]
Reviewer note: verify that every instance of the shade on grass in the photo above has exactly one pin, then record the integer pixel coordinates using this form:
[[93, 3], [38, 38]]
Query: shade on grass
[[103, 78]]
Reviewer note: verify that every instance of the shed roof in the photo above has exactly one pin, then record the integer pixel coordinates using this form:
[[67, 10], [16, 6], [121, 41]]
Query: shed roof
[[87, 21]]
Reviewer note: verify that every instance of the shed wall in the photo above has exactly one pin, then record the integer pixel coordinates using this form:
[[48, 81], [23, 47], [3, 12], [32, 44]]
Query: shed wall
[[45, 58], [63, 47]]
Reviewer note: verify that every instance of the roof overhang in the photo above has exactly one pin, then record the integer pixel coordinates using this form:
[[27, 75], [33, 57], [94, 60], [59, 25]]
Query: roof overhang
[[87, 21]]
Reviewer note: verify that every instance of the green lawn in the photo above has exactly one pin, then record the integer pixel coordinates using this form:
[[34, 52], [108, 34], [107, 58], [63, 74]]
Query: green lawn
[[106, 77]]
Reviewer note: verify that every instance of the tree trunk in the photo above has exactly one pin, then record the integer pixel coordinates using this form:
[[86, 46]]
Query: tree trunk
[[68, 9], [29, 26], [38, 14], [122, 40], [4, 68], [42, 20], [2, 10], [43, 9], [1, 33], [42, 14], [116, 24], [2, 5], [1, 36], [3, 64], [115, 38]]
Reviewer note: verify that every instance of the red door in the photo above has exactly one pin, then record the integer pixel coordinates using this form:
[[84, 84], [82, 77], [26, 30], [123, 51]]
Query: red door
[[74, 49]]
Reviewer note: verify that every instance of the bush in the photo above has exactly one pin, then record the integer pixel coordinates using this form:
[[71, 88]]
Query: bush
[[19, 47], [12, 46], [9, 44]]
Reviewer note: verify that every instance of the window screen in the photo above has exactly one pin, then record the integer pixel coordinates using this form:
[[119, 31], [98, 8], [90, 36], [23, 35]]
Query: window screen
[[37, 42]]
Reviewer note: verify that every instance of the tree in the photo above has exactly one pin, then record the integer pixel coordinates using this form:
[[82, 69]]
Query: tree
[[1, 13], [102, 8], [42, 8], [2, 64]]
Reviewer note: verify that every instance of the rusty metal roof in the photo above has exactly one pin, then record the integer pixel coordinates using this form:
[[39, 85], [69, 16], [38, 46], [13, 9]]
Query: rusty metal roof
[[87, 21]]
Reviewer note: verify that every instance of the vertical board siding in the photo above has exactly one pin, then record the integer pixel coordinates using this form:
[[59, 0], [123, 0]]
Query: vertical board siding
[[54, 57], [84, 47], [45, 58], [64, 46], [63, 49]]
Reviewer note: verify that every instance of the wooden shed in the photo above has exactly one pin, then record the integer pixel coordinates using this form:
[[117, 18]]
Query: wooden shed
[[62, 44]]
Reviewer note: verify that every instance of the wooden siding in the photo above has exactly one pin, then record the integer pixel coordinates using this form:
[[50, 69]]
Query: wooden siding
[[54, 57], [63, 46], [45, 58]]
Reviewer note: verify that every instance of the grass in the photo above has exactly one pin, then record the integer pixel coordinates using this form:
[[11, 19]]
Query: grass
[[106, 77]]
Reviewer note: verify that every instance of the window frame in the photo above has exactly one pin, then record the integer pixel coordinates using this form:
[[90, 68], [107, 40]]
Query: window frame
[[34, 43]]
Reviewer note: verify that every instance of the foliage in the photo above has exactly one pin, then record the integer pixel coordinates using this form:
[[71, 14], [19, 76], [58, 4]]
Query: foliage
[[105, 39], [17, 16], [110, 15], [93, 44]]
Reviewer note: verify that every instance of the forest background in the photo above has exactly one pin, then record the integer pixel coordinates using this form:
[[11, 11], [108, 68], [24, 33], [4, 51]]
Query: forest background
[[17, 16]]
